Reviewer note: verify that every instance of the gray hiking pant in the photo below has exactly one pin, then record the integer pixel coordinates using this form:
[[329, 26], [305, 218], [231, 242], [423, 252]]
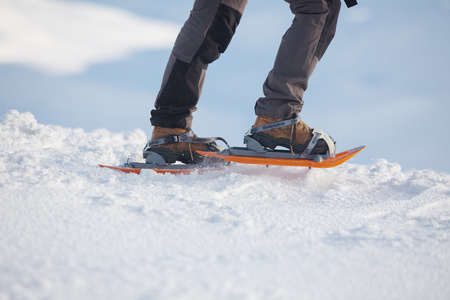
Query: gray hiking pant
[[208, 32]]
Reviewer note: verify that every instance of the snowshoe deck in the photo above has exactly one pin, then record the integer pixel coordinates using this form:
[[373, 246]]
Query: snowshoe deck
[[280, 158], [136, 168]]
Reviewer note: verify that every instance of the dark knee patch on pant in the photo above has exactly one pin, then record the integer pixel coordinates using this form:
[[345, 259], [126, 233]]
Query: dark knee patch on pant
[[181, 88], [179, 96], [219, 35]]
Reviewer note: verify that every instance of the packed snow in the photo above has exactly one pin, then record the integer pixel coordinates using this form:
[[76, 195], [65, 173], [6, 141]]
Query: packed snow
[[72, 230]]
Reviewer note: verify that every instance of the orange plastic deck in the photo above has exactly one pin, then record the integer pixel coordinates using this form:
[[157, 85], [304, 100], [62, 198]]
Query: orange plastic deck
[[161, 171], [340, 158]]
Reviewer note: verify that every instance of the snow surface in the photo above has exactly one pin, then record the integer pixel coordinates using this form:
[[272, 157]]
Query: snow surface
[[72, 230]]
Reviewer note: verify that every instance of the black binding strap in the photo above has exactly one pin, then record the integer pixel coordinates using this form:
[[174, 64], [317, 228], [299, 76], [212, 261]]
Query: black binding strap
[[350, 3], [187, 137]]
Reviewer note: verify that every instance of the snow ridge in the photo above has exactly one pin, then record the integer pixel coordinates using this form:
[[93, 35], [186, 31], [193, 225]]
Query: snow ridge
[[72, 230]]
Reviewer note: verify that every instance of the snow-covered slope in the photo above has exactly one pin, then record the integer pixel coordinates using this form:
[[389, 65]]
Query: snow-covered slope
[[72, 230]]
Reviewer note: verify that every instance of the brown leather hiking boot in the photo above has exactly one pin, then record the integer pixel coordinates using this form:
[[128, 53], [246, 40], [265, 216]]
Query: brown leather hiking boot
[[177, 151], [295, 137]]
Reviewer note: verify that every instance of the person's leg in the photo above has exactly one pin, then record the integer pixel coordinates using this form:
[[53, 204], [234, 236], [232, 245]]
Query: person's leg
[[204, 36], [301, 48]]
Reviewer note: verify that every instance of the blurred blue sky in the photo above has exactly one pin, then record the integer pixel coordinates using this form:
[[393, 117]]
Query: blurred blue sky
[[384, 81]]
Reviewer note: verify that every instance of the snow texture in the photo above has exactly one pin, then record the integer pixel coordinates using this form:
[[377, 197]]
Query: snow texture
[[72, 230]]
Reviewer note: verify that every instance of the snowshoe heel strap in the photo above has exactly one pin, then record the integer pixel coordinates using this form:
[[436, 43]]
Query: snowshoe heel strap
[[319, 134]]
